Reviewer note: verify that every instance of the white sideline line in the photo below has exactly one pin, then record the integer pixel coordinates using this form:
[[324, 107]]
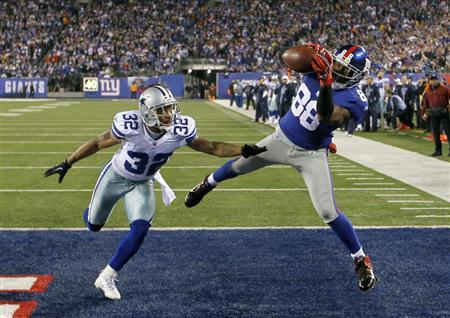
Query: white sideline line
[[347, 170], [215, 190], [429, 208], [408, 201], [224, 228], [364, 178], [24, 110], [396, 195], [9, 115], [432, 216], [373, 183]]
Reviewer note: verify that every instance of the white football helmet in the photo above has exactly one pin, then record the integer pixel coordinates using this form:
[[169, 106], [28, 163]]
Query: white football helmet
[[158, 107]]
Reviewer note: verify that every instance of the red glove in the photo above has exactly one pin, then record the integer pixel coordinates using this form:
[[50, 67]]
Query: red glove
[[322, 64], [332, 147]]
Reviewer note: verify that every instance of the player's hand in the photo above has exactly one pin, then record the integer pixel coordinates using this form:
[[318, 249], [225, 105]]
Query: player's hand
[[251, 150], [60, 169], [322, 64]]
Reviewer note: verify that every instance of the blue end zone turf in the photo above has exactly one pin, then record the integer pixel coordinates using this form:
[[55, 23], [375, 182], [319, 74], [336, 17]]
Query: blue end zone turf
[[235, 273]]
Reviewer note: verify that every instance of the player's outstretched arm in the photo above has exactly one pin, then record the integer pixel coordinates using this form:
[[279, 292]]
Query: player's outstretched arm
[[223, 149], [87, 149]]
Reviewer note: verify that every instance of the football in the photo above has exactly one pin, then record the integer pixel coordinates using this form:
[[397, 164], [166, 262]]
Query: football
[[298, 58]]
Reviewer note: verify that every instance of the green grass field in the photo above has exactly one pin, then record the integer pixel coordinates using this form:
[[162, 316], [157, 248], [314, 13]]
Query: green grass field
[[277, 196]]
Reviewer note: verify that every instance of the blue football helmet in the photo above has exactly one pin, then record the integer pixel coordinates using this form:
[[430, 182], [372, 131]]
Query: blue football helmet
[[351, 65]]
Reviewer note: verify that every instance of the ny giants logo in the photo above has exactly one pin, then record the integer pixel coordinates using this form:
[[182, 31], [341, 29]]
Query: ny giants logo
[[109, 87]]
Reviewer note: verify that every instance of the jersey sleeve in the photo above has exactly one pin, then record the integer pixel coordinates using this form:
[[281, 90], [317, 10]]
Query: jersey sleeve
[[357, 105], [125, 124], [185, 129]]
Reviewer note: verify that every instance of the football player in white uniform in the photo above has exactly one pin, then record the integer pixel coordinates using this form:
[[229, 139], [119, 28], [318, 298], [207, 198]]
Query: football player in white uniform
[[148, 138]]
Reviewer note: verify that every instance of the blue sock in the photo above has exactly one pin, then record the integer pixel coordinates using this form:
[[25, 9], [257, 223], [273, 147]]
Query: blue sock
[[225, 172], [130, 244], [344, 230], [90, 226]]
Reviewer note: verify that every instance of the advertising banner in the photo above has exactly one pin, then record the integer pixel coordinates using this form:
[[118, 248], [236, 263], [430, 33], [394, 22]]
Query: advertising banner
[[23, 87], [121, 87]]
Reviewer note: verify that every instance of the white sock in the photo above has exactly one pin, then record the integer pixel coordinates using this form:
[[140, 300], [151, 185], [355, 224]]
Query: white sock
[[211, 180], [109, 271], [358, 254]]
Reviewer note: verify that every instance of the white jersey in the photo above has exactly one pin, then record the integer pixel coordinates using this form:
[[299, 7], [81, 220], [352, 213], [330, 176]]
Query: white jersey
[[141, 156], [381, 83]]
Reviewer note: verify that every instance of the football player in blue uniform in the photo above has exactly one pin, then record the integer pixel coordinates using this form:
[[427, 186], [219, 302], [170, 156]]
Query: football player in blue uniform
[[148, 137], [325, 100]]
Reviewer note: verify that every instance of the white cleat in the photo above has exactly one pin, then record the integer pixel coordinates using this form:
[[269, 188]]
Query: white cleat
[[107, 284]]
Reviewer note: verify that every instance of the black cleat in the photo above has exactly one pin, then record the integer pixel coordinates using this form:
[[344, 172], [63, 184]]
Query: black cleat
[[197, 193], [364, 271]]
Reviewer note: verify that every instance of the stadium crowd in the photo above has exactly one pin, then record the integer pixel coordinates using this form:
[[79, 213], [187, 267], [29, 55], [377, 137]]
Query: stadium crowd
[[63, 39]]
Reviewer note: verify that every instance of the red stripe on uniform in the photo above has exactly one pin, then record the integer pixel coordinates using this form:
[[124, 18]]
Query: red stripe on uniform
[[350, 51]]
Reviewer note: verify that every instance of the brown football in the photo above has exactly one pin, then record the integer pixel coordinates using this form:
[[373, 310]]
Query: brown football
[[298, 58]]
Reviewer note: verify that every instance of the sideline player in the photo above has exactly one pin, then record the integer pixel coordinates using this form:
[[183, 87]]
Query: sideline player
[[325, 100], [148, 137]]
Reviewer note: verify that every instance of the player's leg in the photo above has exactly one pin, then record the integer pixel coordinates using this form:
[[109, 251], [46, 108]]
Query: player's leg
[[140, 208], [276, 153], [314, 168], [110, 187]]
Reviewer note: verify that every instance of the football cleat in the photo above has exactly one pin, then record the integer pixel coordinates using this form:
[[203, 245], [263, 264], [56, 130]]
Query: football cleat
[[364, 271], [197, 193], [107, 284]]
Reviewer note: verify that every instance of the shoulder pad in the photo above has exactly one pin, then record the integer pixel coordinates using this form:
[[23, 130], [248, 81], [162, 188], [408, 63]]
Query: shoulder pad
[[184, 128], [125, 124]]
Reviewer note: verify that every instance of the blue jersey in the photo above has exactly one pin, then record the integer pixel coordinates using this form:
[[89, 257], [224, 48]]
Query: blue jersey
[[301, 123]]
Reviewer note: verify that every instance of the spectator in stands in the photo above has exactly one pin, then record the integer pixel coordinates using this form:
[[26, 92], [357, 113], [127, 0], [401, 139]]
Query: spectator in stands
[[64, 38], [373, 96], [406, 91], [436, 106]]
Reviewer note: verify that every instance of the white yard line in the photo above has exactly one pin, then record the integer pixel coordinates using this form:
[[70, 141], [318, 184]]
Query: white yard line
[[215, 190], [409, 201], [429, 208], [10, 115], [396, 195], [355, 174], [432, 216], [364, 178], [225, 228], [373, 183]]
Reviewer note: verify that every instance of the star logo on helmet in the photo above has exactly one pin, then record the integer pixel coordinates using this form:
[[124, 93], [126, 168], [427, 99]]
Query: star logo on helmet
[[142, 101]]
